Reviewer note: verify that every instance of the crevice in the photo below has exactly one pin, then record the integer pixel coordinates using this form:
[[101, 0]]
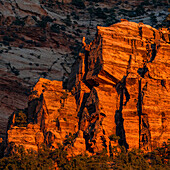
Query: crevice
[[121, 90], [129, 65], [85, 97], [86, 64], [140, 31], [139, 109], [144, 132], [154, 48], [89, 83], [145, 136], [142, 71], [163, 84]]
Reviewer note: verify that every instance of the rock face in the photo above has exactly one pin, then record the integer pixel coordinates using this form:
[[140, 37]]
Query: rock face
[[51, 116], [126, 69], [119, 86], [41, 38]]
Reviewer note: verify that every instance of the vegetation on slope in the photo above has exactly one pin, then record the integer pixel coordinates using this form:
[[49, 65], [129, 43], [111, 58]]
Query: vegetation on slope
[[45, 158]]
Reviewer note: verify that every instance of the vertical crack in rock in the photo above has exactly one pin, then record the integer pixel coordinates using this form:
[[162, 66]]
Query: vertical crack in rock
[[122, 90], [32, 105], [155, 48], [139, 109], [83, 112], [144, 129], [140, 31], [163, 84], [154, 51]]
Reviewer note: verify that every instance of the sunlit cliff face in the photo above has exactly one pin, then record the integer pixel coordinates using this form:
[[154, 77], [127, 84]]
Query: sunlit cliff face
[[43, 39], [117, 87]]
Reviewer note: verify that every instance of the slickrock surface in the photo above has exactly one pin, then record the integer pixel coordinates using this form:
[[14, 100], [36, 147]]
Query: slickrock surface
[[119, 86]]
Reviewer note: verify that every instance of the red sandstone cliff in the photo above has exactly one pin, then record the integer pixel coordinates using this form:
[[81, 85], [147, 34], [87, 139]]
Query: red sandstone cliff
[[40, 38], [119, 86], [127, 70]]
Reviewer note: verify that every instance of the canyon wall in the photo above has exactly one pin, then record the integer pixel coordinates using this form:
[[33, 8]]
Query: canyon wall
[[127, 68], [42, 38], [119, 86]]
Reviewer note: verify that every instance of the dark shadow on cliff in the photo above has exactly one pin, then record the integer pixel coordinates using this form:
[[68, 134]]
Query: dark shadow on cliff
[[121, 90]]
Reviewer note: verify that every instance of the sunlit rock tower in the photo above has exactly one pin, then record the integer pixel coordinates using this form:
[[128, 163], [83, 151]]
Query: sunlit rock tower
[[119, 86]]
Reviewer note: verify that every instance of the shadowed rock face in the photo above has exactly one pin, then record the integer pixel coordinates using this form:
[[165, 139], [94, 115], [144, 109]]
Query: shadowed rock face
[[119, 85]]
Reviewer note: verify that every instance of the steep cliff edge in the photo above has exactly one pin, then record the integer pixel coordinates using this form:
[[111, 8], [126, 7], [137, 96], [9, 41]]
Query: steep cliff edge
[[41, 38], [127, 68], [51, 116], [119, 86]]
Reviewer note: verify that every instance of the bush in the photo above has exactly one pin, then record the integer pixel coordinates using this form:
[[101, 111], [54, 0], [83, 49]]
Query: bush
[[153, 19], [70, 139], [140, 10], [96, 0], [29, 41], [44, 21], [55, 28], [84, 162], [100, 14], [42, 38], [19, 22], [64, 95], [79, 4], [20, 118], [8, 39], [113, 137], [67, 21], [20, 159], [47, 159]]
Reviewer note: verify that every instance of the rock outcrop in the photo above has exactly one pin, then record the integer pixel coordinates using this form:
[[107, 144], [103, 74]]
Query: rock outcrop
[[126, 69], [51, 117], [119, 86], [41, 38]]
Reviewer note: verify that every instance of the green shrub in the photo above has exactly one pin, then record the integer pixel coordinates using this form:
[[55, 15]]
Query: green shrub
[[140, 10], [67, 21], [55, 28], [100, 14], [64, 95], [20, 118], [8, 39], [42, 38], [46, 159], [27, 160], [19, 22], [96, 0], [113, 137], [70, 139], [84, 162], [79, 4], [44, 21], [153, 18]]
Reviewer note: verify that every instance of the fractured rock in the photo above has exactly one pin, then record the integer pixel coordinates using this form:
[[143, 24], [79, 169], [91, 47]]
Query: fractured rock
[[119, 86]]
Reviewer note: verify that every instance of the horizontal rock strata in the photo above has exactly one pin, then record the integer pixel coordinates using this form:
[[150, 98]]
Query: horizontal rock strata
[[119, 86]]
